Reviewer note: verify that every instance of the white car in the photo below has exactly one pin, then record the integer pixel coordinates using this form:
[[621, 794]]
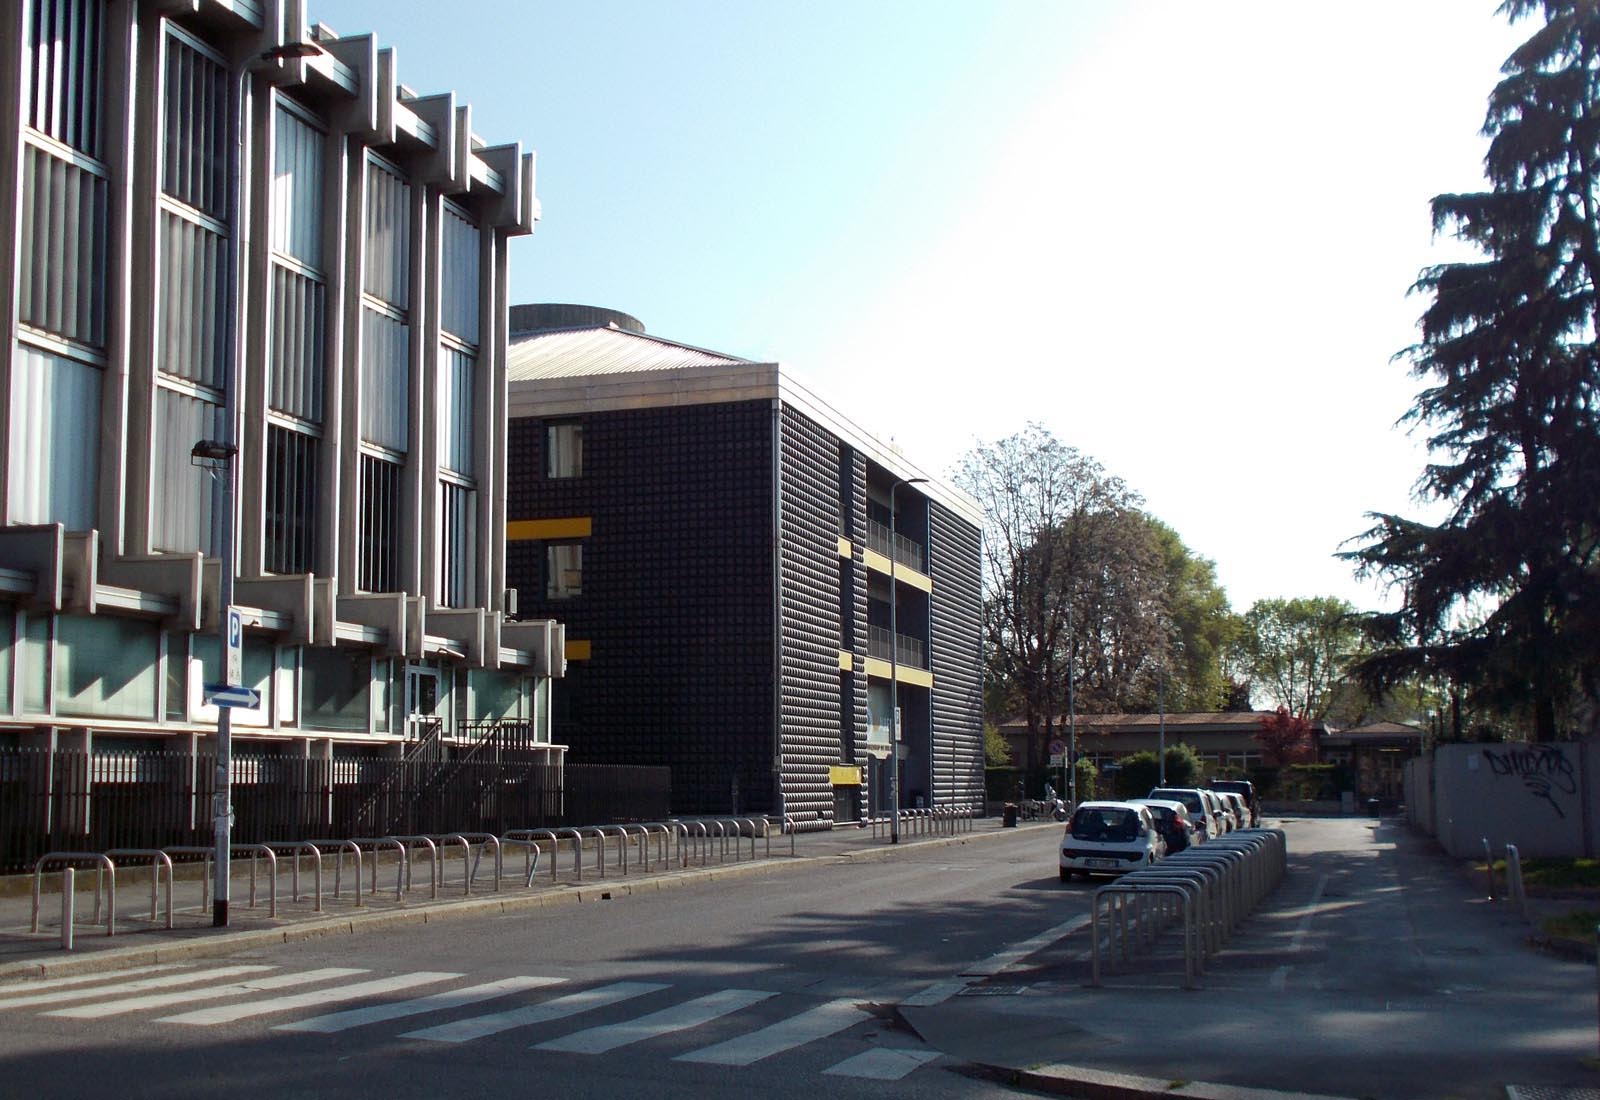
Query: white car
[[1202, 809], [1108, 838]]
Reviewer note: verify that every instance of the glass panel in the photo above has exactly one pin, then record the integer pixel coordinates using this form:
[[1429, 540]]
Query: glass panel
[[457, 393], [55, 436], [564, 450], [297, 344], [385, 381], [62, 274], [388, 266], [186, 500], [382, 694], [541, 710], [106, 667], [177, 677], [380, 524], [336, 690], [194, 167], [496, 695], [458, 573], [192, 301], [564, 570], [63, 95], [291, 500], [35, 671], [8, 629], [297, 189], [460, 275]]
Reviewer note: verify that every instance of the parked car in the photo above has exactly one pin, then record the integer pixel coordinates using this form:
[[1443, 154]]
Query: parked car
[[1241, 812], [1245, 790], [1202, 810], [1172, 818], [1223, 809], [1109, 838]]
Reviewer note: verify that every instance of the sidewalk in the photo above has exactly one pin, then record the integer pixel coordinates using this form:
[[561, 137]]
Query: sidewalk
[[1372, 971], [137, 942]]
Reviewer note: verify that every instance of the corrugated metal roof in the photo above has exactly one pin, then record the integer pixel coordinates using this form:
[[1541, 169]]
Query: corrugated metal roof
[[573, 353]]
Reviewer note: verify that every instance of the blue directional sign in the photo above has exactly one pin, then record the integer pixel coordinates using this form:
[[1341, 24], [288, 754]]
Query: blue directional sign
[[222, 696]]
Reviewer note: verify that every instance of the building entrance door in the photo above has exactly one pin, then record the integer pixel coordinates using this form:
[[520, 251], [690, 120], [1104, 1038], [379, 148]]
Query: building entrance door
[[422, 699]]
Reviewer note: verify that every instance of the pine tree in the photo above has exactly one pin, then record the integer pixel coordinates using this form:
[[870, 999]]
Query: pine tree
[[1510, 356]]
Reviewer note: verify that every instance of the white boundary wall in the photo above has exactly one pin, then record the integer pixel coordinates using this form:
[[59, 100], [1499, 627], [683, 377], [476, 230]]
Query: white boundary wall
[[1543, 798]]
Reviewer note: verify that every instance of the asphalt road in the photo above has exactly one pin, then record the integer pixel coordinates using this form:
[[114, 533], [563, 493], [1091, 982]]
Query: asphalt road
[[767, 985]]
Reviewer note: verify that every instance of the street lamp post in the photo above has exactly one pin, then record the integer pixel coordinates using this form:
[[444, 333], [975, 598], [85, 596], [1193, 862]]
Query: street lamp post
[[894, 671], [227, 450]]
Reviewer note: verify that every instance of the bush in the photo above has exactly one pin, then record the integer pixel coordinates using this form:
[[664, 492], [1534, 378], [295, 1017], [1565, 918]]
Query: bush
[[1136, 774], [1088, 780]]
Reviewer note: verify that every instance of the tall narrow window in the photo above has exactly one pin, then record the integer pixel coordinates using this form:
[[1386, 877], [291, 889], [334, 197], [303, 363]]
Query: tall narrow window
[[295, 389], [192, 289], [456, 408], [62, 249], [563, 570], [563, 449], [385, 395]]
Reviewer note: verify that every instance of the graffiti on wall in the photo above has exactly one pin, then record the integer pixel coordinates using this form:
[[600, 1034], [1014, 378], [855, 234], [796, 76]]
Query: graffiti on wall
[[1544, 770]]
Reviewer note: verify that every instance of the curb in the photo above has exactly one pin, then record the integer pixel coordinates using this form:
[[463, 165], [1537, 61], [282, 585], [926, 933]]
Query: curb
[[1084, 1083], [222, 943]]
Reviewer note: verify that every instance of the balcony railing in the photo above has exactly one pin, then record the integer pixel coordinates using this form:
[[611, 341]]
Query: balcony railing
[[910, 651], [907, 552]]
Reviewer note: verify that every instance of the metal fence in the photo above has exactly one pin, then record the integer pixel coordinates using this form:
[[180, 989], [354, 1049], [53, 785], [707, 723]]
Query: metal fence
[[54, 800]]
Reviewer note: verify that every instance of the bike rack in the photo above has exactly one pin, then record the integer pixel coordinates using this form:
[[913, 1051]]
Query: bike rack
[[343, 846], [484, 840], [577, 853], [297, 848], [530, 846], [402, 870], [622, 844], [466, 857], [105, 871], [433, 860], [1137, 894], [158, 860]]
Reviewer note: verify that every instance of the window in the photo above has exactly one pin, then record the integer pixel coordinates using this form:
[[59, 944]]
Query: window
[[456, 407], [563, 450], [458, 571], [106, 667], [563, 570], [192, 292], [380, 524], [63, 249], [295, 389], [336, 686], [291, 501], [8, 631]]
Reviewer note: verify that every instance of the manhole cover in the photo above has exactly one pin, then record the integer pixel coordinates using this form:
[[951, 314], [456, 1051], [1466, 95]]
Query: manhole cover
[[1001, 991]]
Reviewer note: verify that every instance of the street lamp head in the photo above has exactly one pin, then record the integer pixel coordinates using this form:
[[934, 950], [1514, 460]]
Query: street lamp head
[[291, 51], [212, 452]]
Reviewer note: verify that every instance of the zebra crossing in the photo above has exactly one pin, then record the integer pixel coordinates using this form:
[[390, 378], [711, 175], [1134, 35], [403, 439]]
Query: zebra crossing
[[197, 996]]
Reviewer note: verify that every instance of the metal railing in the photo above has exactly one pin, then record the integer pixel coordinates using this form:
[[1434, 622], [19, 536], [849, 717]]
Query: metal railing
[[937, 821], [901, 648], [907, 552], [1209, 888], [458, 862]]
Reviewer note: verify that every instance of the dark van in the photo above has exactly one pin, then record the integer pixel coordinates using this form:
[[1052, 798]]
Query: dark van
[[1245, 790]]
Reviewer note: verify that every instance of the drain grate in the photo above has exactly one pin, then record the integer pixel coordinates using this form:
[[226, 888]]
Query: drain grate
[[1004, 991]]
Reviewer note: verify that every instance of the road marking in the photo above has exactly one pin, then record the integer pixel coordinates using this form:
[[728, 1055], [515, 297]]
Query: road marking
[[818, 1023], [701, 1010], [209, 993], [131, 987], [85, 979], [227, 1014], [937, 993], [461, 1031], [435, 1002], [883, 1064], [1280, 976], [1014, 954]]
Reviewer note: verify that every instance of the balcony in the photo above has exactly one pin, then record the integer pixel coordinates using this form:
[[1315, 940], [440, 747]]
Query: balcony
[[910, 652], [906, 551]]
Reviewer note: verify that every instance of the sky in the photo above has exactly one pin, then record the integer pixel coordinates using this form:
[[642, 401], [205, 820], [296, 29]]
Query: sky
[[1179, 234]]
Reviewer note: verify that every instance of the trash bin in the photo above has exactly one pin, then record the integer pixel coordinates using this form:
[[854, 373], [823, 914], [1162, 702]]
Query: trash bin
[[1008, 816], [1372, 807]]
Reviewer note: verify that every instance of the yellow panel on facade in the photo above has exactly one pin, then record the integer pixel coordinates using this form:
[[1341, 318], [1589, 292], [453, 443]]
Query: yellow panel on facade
[[847, 660], [879, 669], [845, 775], [565, 527], [878, 563], [577, 649], [844, 548]]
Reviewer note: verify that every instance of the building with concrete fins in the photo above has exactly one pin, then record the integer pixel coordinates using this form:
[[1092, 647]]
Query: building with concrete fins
[[718, 542], [371, 227]]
